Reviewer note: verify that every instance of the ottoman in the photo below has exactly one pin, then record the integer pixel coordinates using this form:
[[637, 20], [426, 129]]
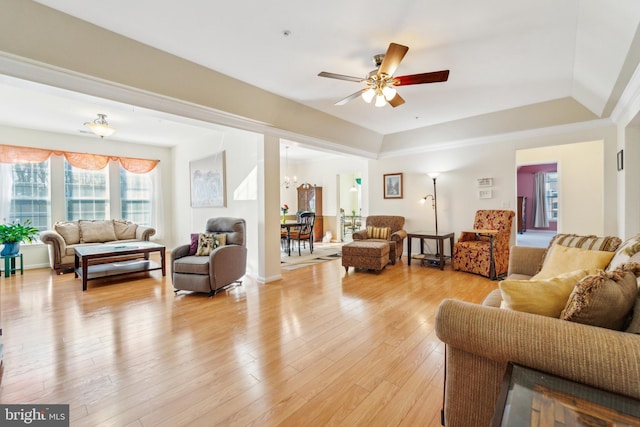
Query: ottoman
[[365, 254]]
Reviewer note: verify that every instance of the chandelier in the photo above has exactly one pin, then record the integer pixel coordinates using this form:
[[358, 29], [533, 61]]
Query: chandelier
[[286, 182], [100, 126]]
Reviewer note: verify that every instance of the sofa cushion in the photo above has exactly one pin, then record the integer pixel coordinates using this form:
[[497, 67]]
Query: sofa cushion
[[546, 297], [629, 251], [564, 259], [124, 229], [604, 299], [192, 265], [69, 230], [96, 231], [382, 233], [591, 242]]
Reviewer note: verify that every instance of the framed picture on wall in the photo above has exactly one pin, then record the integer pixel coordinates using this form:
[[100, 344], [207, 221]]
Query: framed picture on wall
[[393, 186], [208, 189]]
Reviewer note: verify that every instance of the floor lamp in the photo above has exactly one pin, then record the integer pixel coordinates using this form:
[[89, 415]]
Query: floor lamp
[[434, 199]]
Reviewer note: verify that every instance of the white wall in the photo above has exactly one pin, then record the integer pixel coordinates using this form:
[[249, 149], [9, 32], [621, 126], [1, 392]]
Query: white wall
[[241, 150]]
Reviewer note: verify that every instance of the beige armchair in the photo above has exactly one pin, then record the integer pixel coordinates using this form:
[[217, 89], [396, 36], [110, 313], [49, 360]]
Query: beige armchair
[[224, 265], [396, 237]]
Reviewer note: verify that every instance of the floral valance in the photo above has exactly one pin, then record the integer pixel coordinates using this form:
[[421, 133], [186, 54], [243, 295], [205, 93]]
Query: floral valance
[[15, 154]]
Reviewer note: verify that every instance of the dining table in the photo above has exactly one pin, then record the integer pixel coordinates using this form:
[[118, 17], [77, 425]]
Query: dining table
[[288, 225]]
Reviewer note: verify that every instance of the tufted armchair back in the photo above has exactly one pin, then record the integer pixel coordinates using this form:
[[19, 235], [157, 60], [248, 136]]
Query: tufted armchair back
[[396, 237], [395, 223], [475, 252]]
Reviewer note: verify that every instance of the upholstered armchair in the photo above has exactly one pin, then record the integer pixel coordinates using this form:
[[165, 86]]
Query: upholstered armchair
[[485, 249], [213, 260], [395, 238]]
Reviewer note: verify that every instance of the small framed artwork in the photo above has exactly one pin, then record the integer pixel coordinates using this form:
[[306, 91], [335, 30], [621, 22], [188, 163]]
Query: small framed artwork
[[485, 194], [208, 182], [485, 182], [620, 160], [393, 186]]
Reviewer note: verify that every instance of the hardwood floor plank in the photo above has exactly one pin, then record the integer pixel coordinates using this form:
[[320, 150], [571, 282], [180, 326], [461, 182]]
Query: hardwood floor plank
[[319, 347]]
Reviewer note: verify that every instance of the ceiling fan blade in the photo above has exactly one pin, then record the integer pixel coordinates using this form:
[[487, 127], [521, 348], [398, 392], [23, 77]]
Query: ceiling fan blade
[[416, 79], [396, 101], [340, 77], [392, 59], [350, 97]]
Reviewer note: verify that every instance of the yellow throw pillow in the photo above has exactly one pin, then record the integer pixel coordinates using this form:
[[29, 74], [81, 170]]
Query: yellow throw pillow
[[378, 232], [221, 239], [564, 259], [547, 297]]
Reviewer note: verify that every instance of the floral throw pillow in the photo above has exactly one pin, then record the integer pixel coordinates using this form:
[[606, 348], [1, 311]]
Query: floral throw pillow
[[206, 243]]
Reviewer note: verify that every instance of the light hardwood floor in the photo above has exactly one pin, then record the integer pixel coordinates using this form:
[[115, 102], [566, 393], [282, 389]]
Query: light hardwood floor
[[316, 348]]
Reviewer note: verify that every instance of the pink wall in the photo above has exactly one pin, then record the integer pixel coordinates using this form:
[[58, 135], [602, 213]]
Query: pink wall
[[525, 188]]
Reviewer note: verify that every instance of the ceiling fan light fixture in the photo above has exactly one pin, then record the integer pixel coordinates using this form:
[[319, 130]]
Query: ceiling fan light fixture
[[368, 95], [380, 101], [389, 92], [100, 126]]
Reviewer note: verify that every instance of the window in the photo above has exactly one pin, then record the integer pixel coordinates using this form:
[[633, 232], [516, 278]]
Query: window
[[86, 193], [136, 193], [551, 191], [30, 194]]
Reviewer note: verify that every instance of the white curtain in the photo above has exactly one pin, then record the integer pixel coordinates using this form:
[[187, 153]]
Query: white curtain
[[6, 188], [157, 203], [540, 219]]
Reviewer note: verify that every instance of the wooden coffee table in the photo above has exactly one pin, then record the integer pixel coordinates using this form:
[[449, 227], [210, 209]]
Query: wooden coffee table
[[101, 261]]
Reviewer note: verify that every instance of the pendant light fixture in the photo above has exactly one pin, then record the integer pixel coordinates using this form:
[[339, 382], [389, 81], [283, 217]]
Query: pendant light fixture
[[100, 126]]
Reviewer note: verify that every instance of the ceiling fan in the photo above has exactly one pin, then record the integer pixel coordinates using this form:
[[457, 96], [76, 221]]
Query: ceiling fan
[[380, 83]]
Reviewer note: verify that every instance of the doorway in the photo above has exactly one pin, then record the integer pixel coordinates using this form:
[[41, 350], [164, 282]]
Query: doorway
[[537, 204], [350, 204]]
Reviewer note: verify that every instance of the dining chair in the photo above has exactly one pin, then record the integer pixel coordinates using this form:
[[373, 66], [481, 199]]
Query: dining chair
[[305, 231]]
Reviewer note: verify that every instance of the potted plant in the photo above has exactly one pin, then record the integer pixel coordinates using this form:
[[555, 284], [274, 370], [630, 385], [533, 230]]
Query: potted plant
[[12, 234]]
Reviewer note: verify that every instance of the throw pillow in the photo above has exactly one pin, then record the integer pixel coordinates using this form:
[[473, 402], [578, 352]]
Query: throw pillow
[[604, 299], [125, 230], [206, 243], [69, 230], [634, 326], [378, 232], [98, 231], [544, 297], [193, 247], [564, 259], [221, 239], [591, 242], [629, 251]]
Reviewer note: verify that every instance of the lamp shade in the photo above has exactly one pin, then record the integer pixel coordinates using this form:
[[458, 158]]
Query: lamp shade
[[100, 126]]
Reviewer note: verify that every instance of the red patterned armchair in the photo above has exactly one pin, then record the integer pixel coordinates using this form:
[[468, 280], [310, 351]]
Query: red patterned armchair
[[472, 252]]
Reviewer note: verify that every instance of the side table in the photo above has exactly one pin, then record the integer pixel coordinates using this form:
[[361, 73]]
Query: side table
[[440, 237], [10, 264]]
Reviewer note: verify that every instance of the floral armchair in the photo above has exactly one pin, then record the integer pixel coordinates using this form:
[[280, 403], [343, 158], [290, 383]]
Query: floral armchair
[[472, 252], [396, 236]]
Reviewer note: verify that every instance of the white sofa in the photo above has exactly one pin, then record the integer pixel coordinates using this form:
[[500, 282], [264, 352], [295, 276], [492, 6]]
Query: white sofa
[[68, 235]]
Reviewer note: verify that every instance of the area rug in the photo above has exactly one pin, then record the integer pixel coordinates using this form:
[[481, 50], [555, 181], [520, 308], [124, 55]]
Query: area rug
[[322, 252]]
